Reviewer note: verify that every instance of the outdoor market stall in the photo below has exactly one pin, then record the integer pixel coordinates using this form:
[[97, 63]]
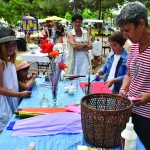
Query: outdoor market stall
[[62, 141]]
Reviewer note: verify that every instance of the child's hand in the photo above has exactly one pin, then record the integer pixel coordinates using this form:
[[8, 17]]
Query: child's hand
[[109, 82], [25, 94], [97, 75], [34, 76], [34, 73]]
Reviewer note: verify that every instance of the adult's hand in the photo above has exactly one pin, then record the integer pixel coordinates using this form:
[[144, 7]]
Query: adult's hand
[[145, 98], [87, 47], [122, 92]]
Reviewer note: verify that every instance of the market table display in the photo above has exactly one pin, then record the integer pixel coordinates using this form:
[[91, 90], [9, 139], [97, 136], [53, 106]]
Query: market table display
[[62, 141], [40, 60], [36, 36]]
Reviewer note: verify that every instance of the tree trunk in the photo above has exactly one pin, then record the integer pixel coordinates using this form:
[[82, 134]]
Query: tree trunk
[[99, 16]]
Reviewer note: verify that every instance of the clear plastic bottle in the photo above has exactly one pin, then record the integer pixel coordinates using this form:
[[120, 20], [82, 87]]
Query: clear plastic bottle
[[44, 102], [71, 89], [128, 137], [31, 146]]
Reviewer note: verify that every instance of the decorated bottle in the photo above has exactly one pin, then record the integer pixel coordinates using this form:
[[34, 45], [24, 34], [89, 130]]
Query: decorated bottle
[[128, 137]]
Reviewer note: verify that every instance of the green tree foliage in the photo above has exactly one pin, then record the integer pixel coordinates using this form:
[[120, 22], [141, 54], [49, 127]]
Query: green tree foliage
[[77, 5], [88, 14], [102, 6], [68, 16], [54, 7], [13, 10]]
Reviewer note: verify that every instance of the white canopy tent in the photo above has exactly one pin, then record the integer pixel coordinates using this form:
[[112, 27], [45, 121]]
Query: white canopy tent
[[64, 21], [41, 20], [92, 21]]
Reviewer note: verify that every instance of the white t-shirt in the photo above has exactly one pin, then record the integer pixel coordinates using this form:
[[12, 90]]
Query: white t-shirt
[[113, 69]]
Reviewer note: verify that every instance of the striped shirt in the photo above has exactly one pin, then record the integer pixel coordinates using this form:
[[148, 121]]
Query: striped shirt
[[139, 65]]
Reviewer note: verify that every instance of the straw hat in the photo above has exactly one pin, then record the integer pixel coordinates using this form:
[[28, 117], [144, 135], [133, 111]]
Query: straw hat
[[20, 63], [6, 35]]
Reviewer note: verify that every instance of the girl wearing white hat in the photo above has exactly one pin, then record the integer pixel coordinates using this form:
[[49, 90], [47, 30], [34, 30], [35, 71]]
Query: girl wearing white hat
[[9, 93]]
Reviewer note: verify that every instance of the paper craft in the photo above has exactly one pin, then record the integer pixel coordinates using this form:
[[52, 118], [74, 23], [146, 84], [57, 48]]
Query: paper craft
[[44, 110], [30, 89], [134, 99], [38, 77], [71, 77], [11, 125], [25, 114], [73, 108], [50, 124], [31, 112], [97, 87], [97, 78], [75, 76]]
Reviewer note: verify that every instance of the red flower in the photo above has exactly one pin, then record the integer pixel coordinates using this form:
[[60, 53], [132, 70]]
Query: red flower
[[46, 48], [54, 53], [44, 41], [62, 66]]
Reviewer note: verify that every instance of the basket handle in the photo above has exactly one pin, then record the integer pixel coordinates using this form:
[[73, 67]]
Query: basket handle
[[118, 103], [103, 98]]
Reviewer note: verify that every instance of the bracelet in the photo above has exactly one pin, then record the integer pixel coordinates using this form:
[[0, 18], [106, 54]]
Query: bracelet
[[21, 95]]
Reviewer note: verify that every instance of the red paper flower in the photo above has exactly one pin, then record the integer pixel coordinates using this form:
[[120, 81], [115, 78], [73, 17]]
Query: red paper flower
[[54, 68], [44, 41], [62, 66], [54, 53], [47, 48]]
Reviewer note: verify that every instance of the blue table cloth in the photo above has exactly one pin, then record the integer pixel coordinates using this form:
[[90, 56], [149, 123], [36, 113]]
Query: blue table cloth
[[55, 142]]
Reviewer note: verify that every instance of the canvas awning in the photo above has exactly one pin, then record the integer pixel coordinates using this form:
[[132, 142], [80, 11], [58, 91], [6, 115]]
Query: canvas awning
[[92, 21]]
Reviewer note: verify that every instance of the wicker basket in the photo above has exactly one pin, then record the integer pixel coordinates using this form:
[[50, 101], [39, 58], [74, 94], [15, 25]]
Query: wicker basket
[[104, 117]]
